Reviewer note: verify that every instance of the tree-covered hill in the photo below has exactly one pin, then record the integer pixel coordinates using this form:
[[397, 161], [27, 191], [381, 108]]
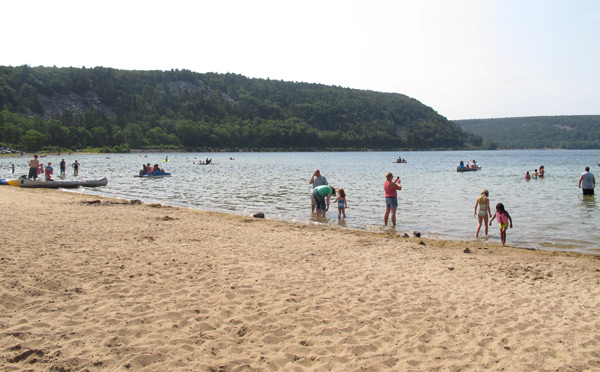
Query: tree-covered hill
[[564, 132], [75, 108]]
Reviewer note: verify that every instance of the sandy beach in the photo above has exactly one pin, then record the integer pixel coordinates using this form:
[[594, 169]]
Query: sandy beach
[[93, 284]]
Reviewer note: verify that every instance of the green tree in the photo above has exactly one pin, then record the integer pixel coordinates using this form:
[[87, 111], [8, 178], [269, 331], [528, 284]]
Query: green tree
[[33, 140]]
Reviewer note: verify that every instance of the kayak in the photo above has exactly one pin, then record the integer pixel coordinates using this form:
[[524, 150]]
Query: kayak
[[24, 182]]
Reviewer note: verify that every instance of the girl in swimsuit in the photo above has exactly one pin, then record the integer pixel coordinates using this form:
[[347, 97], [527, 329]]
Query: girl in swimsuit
[[484, 211], [503, 219], [341, 202]]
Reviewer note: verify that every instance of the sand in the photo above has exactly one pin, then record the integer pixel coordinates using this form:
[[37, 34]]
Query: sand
[[136, 287]]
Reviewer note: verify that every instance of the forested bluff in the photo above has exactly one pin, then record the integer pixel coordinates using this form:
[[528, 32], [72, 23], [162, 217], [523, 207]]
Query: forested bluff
[[538, 132], [109, 110]]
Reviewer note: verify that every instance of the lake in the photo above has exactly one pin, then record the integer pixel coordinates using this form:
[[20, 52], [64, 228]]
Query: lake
[[548, 213]]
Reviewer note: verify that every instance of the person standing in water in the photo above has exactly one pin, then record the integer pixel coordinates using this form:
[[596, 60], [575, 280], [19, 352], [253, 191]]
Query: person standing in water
[[341, 202], [503, 220], [63, 166], [391, 197], [483, 202], [317, 179], [587, 182], [322, 194], [34, 164], [76, 168]]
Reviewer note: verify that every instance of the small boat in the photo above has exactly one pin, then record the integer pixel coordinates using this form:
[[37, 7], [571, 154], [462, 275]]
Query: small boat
[[459, 169], [24, 182], [154, 175]]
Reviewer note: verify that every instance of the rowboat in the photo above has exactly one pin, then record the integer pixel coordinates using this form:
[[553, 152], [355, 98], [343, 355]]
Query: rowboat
[[24, 182]]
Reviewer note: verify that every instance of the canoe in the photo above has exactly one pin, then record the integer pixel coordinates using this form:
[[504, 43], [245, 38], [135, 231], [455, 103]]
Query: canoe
[[459, 169], [24, 182], [153, 175]]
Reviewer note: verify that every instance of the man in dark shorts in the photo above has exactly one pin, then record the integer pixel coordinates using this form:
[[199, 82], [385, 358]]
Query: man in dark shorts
[[587, 182], [63, 166], [33, 168]]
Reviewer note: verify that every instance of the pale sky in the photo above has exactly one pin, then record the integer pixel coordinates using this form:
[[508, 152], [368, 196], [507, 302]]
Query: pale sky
[[466, 59]]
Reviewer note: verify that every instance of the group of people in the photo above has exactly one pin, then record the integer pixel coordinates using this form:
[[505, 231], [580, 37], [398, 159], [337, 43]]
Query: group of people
[[400, 160], [148, 169], [502, 216], [535, 174], [207, 161], [36, 168], [321, 194], [470, 164]]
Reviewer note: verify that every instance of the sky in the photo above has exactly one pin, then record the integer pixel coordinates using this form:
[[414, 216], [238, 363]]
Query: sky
[[467, 59]]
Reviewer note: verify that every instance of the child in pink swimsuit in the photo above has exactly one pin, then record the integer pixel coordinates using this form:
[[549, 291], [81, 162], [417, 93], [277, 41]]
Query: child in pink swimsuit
[[503, 219]]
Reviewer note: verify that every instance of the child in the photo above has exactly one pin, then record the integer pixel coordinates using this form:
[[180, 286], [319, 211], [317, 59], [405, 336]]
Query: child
[[483, 202], [503, 219], [535, 174], [527, 177], [49, 172], [341, 201]]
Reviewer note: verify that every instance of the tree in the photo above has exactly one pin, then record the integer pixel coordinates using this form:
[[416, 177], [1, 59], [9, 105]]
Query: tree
[[33, 140], [133, 135]]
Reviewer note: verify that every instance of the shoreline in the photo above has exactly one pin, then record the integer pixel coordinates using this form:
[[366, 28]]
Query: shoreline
[[97, 283], [386, 231]]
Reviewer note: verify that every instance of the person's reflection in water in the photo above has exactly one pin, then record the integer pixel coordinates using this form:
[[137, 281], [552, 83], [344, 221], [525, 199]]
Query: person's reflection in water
[[589, 203]]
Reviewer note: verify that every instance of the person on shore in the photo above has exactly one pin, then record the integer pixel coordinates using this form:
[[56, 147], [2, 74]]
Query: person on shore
[[541, 171], [34, 164], [49, 171], [76, 168], [483, 202], [503, 220], [63, 167], [341, 202], [587, 182], [322, 194], [527, 176], [391, 197], [317, 179]]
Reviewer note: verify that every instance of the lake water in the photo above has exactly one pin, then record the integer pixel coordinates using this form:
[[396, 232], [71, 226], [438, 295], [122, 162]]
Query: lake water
[[548, 213]]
